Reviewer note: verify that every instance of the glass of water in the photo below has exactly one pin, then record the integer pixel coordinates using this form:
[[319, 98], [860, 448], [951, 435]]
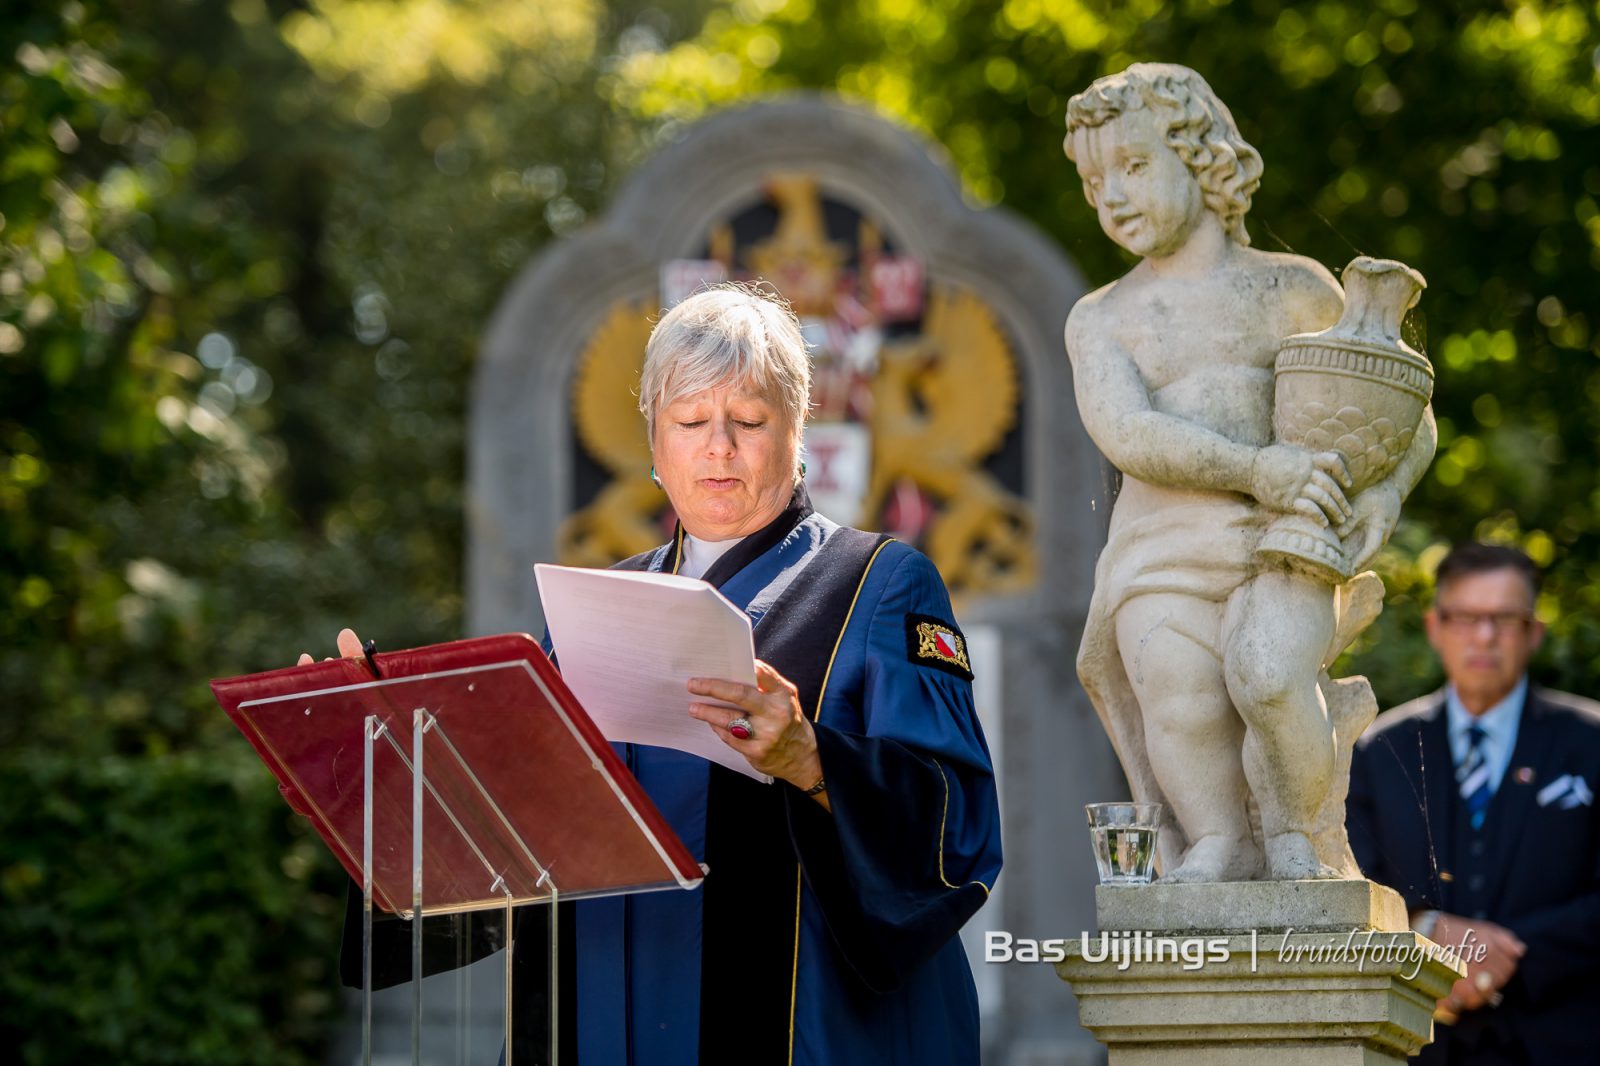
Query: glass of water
[[1124, 838]]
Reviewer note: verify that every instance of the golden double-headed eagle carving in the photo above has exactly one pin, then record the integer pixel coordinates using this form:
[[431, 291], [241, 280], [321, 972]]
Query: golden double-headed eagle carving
[[942, 402], [620, 521]]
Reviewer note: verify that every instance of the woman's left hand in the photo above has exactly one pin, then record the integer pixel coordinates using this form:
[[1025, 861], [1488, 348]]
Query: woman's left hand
[[781, 742]]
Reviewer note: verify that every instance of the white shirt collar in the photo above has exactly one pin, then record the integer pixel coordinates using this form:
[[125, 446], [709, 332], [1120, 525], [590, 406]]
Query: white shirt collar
[[701, 555]]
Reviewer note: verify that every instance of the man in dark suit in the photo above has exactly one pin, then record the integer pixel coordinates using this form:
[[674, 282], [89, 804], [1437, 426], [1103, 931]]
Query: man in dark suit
[[1476, 804]]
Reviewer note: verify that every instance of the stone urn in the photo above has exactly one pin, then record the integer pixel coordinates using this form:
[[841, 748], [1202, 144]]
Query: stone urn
[[1356, 389]]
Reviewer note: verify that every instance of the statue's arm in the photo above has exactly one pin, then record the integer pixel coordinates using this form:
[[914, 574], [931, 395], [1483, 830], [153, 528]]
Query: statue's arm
[[1161, 449], [1418, 457], [1376, 511], [1140, 441]]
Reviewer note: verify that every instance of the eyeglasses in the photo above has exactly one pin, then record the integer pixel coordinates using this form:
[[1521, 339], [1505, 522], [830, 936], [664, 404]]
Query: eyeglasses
[[1498, 621]]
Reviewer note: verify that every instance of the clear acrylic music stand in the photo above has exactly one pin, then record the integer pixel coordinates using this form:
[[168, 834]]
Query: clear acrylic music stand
[[476, 784]]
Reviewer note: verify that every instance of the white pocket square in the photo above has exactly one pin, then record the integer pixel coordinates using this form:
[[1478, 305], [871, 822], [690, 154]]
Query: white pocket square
[[1566, 792]]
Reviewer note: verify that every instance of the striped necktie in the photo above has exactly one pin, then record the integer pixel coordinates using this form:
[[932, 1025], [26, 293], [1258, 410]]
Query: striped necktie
[[1473, 776]]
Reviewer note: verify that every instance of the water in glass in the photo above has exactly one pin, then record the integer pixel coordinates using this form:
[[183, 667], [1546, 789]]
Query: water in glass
[[1124, 854]]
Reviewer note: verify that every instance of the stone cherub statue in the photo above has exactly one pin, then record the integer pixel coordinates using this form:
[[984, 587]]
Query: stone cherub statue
[[1206, 657]]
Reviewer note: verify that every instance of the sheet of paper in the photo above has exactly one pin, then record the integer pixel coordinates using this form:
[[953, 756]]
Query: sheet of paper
[[629, 642]]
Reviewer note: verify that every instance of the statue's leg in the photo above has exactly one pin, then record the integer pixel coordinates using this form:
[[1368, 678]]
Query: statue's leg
[[1192, 734], [1277, 628]]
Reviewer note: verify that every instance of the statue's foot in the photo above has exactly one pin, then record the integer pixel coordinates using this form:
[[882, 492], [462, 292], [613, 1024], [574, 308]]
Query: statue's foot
[[1217, 858], [1290, 857]]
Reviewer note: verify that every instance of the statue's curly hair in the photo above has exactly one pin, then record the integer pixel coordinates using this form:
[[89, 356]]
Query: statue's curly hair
[[1199, 128]]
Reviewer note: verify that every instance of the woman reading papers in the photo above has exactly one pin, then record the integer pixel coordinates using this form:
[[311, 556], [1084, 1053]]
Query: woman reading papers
[[825, 931]]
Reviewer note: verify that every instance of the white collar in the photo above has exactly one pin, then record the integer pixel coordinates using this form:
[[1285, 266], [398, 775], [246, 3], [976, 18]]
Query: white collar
[[701, 555], [1499, 722]]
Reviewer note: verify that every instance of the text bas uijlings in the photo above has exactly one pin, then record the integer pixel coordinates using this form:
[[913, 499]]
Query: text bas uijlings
[[1123, 948]]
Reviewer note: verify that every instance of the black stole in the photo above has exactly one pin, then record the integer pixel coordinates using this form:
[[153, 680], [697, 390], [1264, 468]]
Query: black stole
[[751, 896]]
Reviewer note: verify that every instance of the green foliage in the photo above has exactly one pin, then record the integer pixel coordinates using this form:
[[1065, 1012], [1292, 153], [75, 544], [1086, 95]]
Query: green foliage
[[160, 909], [147, 911], [246, 250], [1458, 137]]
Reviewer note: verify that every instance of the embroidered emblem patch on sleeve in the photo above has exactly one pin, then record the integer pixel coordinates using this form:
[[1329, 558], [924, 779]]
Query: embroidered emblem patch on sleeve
[[936, 643]]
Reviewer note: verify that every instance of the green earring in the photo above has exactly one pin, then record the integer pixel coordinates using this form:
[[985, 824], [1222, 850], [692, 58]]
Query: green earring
[[802, 468], [654, 478]]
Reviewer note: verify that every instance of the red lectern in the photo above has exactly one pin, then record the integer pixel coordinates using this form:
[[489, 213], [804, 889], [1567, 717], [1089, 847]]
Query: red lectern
[[453, 778]]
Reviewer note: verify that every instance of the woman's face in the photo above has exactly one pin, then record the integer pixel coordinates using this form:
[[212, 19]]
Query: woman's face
[[726, 458]]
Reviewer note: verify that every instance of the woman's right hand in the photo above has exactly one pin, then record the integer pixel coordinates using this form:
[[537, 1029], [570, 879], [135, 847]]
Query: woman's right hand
[[1286, 477], [349, 648]]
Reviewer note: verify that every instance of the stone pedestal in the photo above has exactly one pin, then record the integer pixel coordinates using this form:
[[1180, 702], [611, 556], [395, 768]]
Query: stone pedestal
[[1298, 973]]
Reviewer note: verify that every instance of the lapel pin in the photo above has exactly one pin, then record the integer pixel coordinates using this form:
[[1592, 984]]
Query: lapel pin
[[1524, 775]]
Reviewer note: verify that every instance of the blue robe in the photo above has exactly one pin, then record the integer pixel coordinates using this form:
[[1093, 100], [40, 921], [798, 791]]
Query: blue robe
[[831, 938], [817, 939]]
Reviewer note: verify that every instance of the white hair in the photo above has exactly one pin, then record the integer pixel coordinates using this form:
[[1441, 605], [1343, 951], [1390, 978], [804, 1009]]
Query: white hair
[[729, 334]]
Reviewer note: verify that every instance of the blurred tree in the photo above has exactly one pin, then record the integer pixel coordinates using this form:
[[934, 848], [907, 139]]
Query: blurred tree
[[159, 902], [1460, 137]]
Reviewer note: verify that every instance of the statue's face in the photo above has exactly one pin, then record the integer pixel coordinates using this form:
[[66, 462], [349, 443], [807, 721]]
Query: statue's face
[[1147, 199]]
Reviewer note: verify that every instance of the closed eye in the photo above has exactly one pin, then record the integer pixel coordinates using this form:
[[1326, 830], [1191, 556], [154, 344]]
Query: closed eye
[[750, 425], [692, 425]]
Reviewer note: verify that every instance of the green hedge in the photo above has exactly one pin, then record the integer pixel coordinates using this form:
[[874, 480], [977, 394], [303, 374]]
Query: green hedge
[[140, 923]]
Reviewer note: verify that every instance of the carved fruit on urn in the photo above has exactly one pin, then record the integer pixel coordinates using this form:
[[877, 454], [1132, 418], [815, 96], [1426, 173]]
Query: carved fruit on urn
[[1356, 389]]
